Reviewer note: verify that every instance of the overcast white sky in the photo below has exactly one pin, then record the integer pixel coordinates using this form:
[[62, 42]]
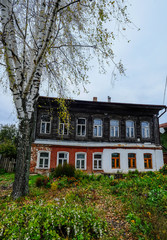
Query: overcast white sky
[[145, 59]]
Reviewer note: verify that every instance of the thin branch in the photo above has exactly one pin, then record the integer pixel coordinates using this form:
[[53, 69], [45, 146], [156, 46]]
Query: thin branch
[[77, 45], [3, 64], [60, 9]]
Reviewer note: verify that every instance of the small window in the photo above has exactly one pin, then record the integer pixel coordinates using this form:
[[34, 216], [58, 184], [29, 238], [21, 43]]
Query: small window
[[81, 127], [97, 161], [80, 162], [147, 160], [115, 160], [97, 128], [45, 124], [43, 160], [63, 127], [132, 160], [114, 128], [145, 129], [62, 158], [130, 131]]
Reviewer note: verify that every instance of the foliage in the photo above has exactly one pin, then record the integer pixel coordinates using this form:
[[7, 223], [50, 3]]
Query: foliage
[[163, 170], [43, 181], [63, 182], [8, 132], [163, 139], [65, 170], [8, 138], [51, 221]]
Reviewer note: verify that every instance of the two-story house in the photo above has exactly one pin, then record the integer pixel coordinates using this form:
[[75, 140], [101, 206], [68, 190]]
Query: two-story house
[[100, 137]]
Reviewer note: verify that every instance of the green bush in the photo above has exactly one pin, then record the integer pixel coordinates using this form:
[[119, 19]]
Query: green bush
[[163, 170], [42, 181], [65, 170], [52, 221]]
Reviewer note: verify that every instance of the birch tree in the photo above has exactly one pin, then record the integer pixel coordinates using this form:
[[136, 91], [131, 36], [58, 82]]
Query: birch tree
[[51, 39]]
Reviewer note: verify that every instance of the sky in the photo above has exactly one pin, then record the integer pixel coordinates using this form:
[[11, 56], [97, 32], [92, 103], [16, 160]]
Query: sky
[[144, 58]]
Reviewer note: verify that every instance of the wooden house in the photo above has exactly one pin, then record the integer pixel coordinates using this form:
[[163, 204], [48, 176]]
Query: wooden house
[[99, 137]]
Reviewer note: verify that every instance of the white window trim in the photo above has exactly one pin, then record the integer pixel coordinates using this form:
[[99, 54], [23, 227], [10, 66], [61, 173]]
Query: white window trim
[[63, 128], [98, 159], [38, 158], [114, 128], [45, 127], [63, 152], [130, 129], [145, 129], [85, 167], [81, 125], [95, 125]]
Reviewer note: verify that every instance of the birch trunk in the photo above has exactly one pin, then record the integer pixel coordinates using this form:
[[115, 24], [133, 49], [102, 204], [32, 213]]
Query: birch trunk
[[20, 186]]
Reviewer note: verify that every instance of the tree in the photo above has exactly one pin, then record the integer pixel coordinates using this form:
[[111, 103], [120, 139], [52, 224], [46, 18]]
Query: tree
[[8, 138], [51, 39]]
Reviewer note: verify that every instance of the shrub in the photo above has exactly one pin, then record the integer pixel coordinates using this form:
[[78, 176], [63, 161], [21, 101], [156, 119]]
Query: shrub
[[65, 170], [52, 221], [42, 181], [163, 170]]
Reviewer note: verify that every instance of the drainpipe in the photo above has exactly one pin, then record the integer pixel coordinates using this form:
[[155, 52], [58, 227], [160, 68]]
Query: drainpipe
[[163, 112]]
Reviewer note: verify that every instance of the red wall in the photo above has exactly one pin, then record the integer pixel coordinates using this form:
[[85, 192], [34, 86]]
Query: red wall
[[71, 150]]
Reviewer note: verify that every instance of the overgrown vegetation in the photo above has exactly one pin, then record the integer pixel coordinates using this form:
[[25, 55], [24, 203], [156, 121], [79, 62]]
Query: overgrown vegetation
[[8, 139], [69, 207]]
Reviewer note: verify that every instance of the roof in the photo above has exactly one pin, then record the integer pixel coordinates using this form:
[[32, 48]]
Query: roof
[[103, 106], [163, 125]]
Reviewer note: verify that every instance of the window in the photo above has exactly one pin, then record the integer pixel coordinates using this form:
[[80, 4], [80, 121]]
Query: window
[[130, 129], [45, 124], [62, 158], [115, 160], [147, 160], [97, 128], [81, 126], [43, 159], [114, 128], [131, 160], [97, 161], [80, 162], [145, 129], [63, 127]]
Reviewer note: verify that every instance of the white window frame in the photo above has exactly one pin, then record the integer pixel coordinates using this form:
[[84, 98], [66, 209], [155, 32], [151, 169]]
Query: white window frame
[[98, 153], [45, 128], [38, 160], [85, 163], [146, 130], [130, 128], [80, 124], [63, 153], [114, 128], [98, 126], [64, 125]]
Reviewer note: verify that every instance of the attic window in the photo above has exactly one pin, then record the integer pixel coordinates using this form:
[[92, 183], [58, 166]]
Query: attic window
[[45, 124]]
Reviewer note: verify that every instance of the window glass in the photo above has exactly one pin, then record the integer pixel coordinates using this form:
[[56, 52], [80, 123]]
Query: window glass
[[62, 158], [130, 129], [97, 161], [145, 129], [114, 128], [131, 160], [97, 128], [80, 160], [45, 124], [81, 127], [43, 160], [115, 160]]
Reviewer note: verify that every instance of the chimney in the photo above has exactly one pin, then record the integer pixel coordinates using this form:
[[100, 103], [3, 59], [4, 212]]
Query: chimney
[[109, 99], [94, 99]]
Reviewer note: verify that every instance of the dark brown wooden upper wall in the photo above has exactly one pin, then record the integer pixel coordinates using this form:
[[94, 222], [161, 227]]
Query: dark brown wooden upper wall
[[106, 112]]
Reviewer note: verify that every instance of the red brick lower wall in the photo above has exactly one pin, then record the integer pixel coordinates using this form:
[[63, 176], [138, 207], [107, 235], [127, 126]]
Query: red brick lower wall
[[53, 157]]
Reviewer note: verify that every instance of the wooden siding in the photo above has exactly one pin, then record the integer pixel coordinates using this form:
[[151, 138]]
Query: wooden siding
[[105, 112]]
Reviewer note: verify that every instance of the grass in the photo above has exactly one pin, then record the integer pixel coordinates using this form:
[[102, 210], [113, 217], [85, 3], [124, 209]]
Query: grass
[[133, 208]]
